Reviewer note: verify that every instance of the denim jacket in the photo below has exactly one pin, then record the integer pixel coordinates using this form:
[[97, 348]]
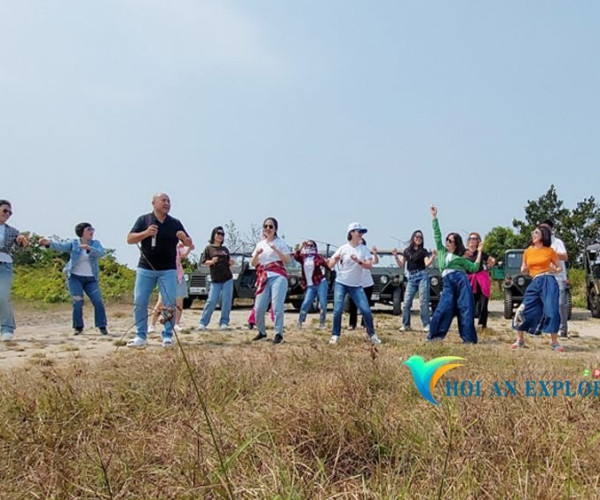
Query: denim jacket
[[95, 254], [10, 241]]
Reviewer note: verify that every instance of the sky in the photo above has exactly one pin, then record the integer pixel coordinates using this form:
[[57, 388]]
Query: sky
[[318, 113]]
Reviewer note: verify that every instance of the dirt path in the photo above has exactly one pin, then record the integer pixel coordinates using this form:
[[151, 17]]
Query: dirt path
[[44, 336]]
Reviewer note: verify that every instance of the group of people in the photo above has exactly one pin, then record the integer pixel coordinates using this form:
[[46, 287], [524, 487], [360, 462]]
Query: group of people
[[163, 242]]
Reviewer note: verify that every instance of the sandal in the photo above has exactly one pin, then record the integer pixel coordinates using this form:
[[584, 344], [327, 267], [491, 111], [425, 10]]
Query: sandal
[[518, 345], [557, 346]]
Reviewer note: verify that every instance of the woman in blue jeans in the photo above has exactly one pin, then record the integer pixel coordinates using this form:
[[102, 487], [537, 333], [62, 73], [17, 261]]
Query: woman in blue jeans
[[9, 238], [417, 260], [270, 256], [313, 280], [82, 272], [457, 295], [351, 259], [217, 257]]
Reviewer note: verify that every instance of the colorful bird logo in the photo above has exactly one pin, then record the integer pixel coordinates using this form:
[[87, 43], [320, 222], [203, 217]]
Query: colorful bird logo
[[426, 375]]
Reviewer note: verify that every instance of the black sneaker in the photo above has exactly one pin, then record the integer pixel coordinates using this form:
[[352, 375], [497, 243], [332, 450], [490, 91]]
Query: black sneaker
[[77, 331], [103, 330], [250, 326], [278, 339], [260, 336]]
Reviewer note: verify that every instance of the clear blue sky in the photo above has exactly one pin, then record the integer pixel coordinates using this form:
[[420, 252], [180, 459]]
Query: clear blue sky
[[316, 112]]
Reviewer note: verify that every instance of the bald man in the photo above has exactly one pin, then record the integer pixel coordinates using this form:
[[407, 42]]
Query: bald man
[[157, 234]]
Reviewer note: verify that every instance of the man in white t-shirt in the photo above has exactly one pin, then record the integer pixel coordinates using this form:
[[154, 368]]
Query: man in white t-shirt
[[351, 259], [561, 278]]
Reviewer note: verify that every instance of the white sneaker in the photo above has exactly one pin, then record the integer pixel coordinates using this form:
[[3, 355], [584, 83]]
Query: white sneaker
[[375, 339], [322, 326], [137, 342], [404, 328], [224, 327], [167, 343], [7, 337], [178, 329], [200, 328], [151, 329], [334, 339], [426, 329]]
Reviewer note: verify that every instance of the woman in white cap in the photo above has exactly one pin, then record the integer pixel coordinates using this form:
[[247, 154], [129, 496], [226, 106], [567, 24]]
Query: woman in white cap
[[351, 259]]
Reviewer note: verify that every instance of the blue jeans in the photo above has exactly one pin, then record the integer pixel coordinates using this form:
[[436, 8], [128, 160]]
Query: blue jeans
[[310, 293], [145, 281], [357, 294], [456, 300], [563, 306], [6, 310], [540, 306], [274, 293], [225, 290], [416, 281], [89, 285]]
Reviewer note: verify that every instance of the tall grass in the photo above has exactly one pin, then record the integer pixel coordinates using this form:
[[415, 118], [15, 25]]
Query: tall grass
[[297, 421]]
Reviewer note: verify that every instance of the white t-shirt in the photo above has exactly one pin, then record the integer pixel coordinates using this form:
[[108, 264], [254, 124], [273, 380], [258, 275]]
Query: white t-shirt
[[350, 273], [269, 255], [309, 269], [82, 267], [559, 247]]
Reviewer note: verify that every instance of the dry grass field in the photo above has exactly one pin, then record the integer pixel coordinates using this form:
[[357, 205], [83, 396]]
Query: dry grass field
[[221, 417]]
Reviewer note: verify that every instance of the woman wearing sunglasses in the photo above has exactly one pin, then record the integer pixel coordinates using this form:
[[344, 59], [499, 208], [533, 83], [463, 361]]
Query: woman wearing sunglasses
[[457, 296], [9, 237], [314, 280], [217, 257], [270, 256], [480, 280], [539, 311], [352, 259], [82, 272]]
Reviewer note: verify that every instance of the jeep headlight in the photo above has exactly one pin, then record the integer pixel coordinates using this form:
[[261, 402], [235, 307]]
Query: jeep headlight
[[383, 280], [435, 281], [293, 281], [521, 281], [186, 277], [208, 278]]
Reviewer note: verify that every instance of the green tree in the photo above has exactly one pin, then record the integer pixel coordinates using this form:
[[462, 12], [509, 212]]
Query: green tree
[[581, 228], [498, 240], [547, 206]]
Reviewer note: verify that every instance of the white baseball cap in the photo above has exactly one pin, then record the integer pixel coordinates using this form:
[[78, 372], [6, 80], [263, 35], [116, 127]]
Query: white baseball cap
[[356, 226]]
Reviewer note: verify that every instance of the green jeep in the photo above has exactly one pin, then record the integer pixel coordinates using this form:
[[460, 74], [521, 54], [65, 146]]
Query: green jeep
[[592, 278]]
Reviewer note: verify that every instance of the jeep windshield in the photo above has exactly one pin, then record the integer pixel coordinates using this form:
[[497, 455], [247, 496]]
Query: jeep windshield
[[512, 264], [386, 260]]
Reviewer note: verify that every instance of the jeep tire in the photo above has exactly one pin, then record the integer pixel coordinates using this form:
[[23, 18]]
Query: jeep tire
[[397, 302], [508, 304]]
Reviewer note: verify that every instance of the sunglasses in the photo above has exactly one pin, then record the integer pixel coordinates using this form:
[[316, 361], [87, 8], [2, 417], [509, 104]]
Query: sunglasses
[[418, 236], [309, 245], [7, 211], [268, 226], [473, 238], [220, 233], [449, 240]]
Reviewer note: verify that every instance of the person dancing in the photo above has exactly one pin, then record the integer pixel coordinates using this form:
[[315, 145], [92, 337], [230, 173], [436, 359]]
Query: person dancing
[[457, 297]]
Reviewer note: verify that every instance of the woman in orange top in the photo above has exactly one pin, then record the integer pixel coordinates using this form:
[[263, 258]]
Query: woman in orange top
[[539, 311]]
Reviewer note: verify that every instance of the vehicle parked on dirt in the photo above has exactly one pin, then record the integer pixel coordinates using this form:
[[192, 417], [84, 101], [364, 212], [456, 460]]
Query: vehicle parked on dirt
[[244, 281], [592, 278], [516, 283]]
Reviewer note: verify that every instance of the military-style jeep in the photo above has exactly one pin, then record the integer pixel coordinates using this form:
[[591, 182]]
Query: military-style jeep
[[516, 283], [592, 278], [244, 279]]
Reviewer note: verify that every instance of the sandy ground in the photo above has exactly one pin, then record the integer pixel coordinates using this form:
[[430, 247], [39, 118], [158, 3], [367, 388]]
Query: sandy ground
[[44, 336]]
